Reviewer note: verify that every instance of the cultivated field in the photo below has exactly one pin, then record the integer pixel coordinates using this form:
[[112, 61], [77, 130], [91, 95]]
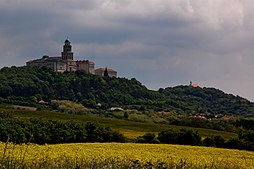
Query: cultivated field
[[121, 155], [129, 128]]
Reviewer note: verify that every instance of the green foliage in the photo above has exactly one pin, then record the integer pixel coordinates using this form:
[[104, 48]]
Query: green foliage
[[248, 136], [233, 143], [207, 100], [138, 117], [245, 123], [215, 123], [137, 128], [25, 85], [69, 107], [209, 142], [66, 128], [183, 136], [40, 131], [168, 136], [148, 138], [219, 141], [189, 137]]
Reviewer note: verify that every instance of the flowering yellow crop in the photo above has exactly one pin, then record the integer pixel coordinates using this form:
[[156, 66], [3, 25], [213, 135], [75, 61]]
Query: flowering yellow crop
[[90, 155]]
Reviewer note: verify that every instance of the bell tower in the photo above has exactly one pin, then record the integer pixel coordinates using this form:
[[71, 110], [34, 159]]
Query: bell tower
[[67, 54]]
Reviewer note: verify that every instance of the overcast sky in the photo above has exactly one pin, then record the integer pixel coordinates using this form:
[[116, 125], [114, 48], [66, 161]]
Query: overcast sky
[[161, 43]]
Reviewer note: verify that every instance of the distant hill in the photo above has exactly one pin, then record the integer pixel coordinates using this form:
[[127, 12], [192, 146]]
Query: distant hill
[[208, 100], [28, 85]]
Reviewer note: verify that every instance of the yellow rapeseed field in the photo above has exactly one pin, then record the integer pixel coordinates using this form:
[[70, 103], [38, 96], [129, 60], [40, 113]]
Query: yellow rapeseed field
[[122, 155]]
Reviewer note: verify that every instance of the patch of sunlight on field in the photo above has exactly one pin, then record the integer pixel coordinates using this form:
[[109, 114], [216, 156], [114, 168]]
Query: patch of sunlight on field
[[131, 133], [122, 154]]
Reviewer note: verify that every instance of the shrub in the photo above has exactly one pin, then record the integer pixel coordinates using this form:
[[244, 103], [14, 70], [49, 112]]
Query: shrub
[[209, 142], [148, 138], [139, 117], [219, 141], [187, 137], [168, 136]]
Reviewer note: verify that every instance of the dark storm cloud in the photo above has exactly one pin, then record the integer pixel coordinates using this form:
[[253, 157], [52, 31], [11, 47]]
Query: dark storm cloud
[[161, 43]]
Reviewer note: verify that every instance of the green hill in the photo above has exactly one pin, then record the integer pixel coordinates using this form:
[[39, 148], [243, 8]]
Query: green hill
[[207, 100], [27, 85]]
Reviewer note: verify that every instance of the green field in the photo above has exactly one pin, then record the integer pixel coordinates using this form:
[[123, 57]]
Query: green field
[[129, 128]]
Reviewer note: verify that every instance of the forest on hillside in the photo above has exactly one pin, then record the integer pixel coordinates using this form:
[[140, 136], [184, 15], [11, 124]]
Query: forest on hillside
[[28, 85]]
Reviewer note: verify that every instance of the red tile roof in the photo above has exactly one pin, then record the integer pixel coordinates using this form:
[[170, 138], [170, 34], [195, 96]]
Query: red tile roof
[[227, 117], [195, 85]]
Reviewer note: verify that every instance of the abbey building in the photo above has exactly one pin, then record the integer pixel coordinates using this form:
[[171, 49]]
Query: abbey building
[[64, 62]]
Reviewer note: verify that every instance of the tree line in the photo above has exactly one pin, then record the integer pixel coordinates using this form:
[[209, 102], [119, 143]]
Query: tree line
[[245, 140], [41, 131]]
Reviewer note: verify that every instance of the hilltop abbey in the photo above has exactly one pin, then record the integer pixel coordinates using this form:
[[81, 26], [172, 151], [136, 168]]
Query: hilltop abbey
[[65, 62]]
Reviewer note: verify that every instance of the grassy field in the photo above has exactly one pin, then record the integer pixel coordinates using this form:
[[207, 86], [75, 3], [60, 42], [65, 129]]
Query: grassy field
[[121, 155], [129, 128]]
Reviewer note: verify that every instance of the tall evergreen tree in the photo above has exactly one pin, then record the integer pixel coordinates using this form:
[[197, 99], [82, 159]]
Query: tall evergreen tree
[[106, 72]]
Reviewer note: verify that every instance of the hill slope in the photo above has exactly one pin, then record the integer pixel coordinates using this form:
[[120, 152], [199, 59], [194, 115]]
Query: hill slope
[[208, 100], [27, 85]]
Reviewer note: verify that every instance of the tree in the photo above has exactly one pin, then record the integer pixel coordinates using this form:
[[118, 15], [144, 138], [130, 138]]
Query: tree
[[125, 115], [150, 138], [219, 141], [93, 132], [168, 136], [106, 72], [209, 142], [189, 137], [185, 137]]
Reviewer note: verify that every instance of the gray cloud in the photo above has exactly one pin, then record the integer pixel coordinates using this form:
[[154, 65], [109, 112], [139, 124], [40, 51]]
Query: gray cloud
[[161, 43]]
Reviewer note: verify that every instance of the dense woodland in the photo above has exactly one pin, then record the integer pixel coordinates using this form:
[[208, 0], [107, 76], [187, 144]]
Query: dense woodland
[[27, 85]]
